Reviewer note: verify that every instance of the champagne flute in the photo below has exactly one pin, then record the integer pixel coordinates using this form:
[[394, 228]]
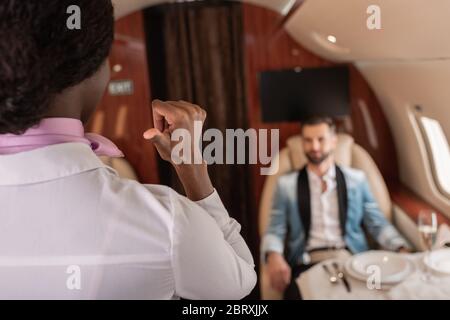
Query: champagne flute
[[428, 226]]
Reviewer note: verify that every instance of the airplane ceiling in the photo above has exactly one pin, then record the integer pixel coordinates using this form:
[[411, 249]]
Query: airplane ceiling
[[124, 7], [410, 29]]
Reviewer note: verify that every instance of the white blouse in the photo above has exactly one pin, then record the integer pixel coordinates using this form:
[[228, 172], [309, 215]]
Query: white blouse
[[70, 228]]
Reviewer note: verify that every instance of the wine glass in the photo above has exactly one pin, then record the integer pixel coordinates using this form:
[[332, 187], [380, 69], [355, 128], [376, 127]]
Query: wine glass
[[428, 226]]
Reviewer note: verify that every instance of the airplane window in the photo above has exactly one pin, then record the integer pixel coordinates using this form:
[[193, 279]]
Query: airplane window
[[440, 152]]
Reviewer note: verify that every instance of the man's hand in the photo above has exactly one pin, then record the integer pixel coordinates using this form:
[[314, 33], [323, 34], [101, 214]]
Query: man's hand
[[404, 250], [168, 117], [279, 271]]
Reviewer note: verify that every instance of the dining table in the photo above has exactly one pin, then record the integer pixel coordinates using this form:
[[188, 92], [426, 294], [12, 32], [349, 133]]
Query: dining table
[[316, 284]]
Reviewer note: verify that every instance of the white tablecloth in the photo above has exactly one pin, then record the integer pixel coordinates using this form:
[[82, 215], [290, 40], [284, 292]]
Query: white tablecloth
[[314, 285]]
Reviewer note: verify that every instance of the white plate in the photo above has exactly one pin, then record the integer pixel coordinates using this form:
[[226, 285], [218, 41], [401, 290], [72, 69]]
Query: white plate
[[393, 267], [354, 275], [439, 261]]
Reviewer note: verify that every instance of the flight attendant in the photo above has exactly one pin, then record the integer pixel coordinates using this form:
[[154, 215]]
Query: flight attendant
[[70, 227]]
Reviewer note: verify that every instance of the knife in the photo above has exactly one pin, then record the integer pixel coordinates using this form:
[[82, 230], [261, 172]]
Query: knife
[[342, 276]]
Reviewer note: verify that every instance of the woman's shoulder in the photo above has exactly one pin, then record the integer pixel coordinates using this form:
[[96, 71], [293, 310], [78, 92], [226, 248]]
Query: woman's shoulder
[[133, 196]]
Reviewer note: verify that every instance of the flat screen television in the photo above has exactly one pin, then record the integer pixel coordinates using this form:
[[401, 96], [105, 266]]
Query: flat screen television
[[293, 95]]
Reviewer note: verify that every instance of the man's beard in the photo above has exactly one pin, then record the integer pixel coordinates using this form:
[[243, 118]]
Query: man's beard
[[319, 160]]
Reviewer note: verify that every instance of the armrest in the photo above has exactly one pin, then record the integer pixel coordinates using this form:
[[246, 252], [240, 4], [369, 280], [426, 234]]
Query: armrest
[[407, 228], [411, 204], [406, 209]]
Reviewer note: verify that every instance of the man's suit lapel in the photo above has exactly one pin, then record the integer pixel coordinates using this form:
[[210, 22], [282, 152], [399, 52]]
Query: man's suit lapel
[[304, 201], [342, 199]]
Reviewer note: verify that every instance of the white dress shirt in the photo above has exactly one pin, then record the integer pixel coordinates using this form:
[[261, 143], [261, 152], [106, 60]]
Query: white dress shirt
[[325, 228], [70, 228]]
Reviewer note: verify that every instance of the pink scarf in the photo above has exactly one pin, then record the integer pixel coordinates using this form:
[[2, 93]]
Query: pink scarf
[[55, 131]]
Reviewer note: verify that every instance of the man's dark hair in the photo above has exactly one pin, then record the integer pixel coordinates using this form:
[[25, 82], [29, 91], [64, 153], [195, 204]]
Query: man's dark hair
[[40, 56], [316, 120]]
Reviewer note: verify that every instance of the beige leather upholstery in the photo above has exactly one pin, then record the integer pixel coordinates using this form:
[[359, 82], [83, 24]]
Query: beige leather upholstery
[[122, 166], [347, 153]]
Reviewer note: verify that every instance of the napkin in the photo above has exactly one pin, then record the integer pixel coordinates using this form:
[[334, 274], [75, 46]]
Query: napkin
[[415, 288]]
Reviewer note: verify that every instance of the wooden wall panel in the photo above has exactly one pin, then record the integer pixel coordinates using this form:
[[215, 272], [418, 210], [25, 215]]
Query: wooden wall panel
[[267, 47], [123, 119]]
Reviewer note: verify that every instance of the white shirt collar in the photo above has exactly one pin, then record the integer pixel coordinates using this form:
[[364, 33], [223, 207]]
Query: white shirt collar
[[48, 163], [329, 175]]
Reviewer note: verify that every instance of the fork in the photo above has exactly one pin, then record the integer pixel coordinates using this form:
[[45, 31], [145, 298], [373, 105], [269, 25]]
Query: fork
[[341, 276], [332, 277]]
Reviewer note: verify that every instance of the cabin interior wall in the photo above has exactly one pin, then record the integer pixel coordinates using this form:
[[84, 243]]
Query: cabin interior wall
[[401, 87]]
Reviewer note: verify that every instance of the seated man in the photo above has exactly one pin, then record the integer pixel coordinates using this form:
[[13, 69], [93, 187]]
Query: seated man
[[320, 212]]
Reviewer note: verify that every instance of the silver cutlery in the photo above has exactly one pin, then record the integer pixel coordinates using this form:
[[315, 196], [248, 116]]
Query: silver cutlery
[[331, 277], [342, 277]]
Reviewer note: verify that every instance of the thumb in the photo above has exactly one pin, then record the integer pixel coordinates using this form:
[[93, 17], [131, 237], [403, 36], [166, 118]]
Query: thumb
[[161, 141], [152, 134]]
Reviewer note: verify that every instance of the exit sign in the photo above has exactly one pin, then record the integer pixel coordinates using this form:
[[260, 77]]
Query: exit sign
[[121, 87]]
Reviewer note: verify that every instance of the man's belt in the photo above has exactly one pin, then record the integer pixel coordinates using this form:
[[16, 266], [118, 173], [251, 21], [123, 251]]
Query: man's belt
[[332, 248]]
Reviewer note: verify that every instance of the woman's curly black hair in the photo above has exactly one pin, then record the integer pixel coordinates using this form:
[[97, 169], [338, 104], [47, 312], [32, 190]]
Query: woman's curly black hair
[[40, 56]]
